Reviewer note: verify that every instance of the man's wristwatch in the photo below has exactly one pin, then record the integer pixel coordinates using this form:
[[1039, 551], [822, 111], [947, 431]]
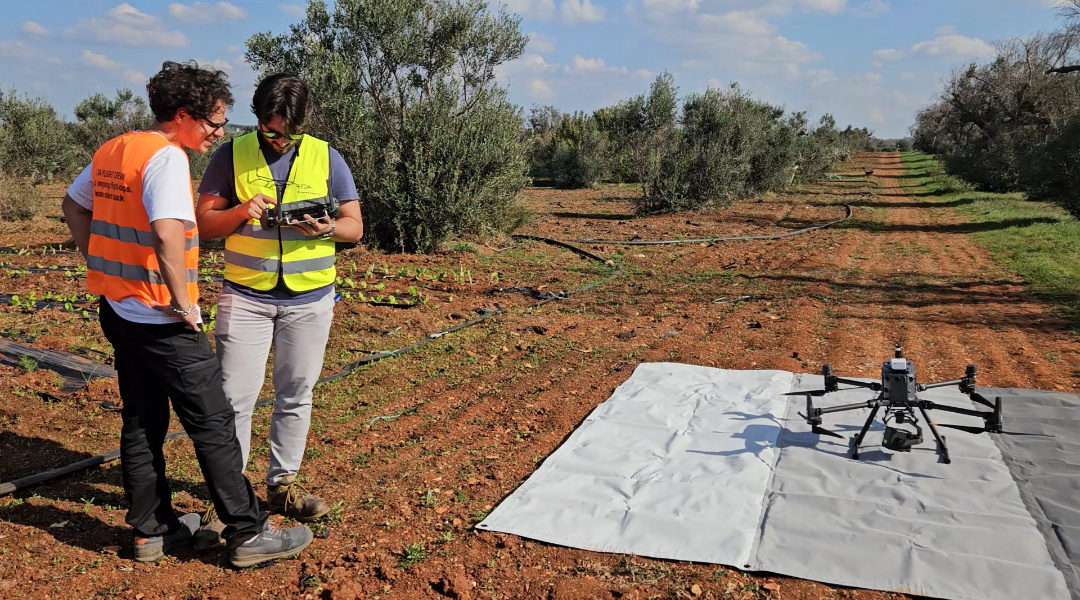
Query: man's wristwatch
[[329, 234], [185, 312]]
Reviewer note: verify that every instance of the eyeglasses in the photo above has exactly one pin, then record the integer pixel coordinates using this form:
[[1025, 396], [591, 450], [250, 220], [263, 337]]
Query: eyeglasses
[[213, 125], [275, 135]]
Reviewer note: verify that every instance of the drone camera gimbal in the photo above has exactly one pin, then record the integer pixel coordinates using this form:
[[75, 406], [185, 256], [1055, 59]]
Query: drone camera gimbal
[[898, 396]]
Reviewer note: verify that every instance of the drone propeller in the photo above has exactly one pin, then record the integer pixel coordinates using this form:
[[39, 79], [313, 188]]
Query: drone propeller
[[967, 428], [971, 429], [823, 431], [815, 393]]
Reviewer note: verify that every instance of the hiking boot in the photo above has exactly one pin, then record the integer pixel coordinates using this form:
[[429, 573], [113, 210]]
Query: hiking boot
[[272, 542], [208, 536], [292, 500], [149, 549]]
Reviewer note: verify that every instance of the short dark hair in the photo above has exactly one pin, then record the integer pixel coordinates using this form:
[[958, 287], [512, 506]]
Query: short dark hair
[[282, 95], [195, 89]]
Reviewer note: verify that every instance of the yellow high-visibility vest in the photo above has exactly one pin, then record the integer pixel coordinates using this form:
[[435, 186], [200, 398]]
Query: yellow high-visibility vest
[[255, 257]]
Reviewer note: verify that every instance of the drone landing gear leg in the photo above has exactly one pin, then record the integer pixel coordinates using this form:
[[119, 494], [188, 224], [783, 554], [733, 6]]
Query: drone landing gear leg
[[862, 433], [942, 448]]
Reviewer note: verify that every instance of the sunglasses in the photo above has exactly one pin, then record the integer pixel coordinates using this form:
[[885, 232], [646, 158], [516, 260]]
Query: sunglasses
[[274, 135]]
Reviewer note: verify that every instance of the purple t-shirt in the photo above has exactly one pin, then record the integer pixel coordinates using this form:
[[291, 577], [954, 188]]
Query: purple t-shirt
[[220, 180]]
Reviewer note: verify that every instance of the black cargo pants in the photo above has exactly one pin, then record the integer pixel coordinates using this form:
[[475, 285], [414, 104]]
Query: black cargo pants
[[155, 364]]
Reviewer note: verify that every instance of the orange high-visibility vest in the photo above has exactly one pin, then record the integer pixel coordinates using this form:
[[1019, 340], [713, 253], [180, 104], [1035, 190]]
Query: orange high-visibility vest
[[120, 261]]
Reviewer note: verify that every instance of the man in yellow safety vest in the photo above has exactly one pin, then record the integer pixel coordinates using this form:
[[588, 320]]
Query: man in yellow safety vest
[[279, 278]]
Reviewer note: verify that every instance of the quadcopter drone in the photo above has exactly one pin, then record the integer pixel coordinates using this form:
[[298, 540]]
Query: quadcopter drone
[[899, 400]]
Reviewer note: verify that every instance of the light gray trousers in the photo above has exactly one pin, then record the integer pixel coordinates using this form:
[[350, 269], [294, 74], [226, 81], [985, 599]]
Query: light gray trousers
[[245, 332]]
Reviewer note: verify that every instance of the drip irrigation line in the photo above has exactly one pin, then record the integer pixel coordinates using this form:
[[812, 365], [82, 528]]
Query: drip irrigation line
[[721, 239], [484, 314]]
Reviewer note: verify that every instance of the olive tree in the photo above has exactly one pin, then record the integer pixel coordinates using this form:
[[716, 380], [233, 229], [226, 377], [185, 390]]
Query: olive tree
[[405, 90]]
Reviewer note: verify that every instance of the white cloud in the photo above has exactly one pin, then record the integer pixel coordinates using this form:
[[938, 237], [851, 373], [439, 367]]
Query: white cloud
[[954, 45], [100, 61], [877, 116], [205, 12], [819, 77], [907, 76], [580, 11], [534, 62], [829, 6], [645, 73], [871, 8], [888, 54], [539, 9], [538, 90], [946, 44], [695, 63], [126, 25], [660, 8], [32, 28], [293, 10], [945, 30], [539, 42], [740, 35], [587, 65], [217, 63]]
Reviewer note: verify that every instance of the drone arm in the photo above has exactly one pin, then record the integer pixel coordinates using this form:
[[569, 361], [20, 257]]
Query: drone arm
[[843, 407], [926, 404], [873, 385], [926, 386]]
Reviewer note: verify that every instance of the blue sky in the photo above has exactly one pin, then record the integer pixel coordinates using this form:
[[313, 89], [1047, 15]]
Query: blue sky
[[871, 63]]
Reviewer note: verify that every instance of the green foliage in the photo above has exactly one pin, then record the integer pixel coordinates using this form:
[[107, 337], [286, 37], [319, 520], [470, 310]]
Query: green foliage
[[717, 147], [412, 554], [20, 200], [99, 119], [34, 141], [1010, 125], [405, 90]]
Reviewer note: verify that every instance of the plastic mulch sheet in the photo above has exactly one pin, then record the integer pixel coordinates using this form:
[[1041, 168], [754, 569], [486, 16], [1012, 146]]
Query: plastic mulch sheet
[[711, 465]]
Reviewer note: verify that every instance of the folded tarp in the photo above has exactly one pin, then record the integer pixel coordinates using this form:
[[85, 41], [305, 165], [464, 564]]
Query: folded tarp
[[710, 465]]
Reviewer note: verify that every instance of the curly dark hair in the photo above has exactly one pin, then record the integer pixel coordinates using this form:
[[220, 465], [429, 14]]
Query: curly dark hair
[[195, 89], [282, 95]]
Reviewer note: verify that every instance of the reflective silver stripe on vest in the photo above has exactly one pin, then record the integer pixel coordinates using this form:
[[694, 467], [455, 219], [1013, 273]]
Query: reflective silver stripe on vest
[[294, 267], [265, 265], [288, 234], [132, 272], [270, 265], [131, 235]]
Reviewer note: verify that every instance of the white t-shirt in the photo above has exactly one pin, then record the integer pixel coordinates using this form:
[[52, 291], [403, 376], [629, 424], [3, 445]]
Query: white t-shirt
[[166, 195]]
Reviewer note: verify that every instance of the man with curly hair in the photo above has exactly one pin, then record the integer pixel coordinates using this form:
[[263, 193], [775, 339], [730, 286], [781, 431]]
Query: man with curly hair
[[131, 214]]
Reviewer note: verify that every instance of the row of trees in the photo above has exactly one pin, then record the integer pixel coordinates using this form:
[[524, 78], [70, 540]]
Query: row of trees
[[1013, 124], [36, 143], [709, 149], [406, 91]]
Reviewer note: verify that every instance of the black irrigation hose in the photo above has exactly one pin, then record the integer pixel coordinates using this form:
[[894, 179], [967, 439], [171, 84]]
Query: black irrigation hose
[[485, 314], [720, 239]]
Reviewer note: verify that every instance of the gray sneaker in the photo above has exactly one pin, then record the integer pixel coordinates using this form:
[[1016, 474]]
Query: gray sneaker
[[271, 543], [208, 536], [149, 549]]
